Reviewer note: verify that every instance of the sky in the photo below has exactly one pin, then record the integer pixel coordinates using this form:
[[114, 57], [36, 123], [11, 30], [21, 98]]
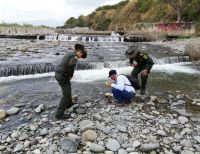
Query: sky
[[47, 12]]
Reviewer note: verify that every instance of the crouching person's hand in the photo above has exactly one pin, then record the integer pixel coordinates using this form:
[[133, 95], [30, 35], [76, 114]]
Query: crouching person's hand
[[108, 84]]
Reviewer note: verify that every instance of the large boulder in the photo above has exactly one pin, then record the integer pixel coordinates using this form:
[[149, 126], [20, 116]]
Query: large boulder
[[2, 114], [193, 50]]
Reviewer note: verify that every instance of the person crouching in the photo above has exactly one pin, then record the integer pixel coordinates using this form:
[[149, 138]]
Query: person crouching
[[121, 88]]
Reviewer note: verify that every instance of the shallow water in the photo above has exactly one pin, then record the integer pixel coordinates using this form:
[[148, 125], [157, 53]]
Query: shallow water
[[166, 78]]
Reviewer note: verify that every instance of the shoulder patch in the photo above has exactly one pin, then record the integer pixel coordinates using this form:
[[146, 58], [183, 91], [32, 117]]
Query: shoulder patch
[[145, 56], [73, 61]]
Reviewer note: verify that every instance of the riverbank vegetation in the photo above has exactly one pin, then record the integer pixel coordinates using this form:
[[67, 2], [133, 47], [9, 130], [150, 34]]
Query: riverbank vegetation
[[5, 24], [127, 13]]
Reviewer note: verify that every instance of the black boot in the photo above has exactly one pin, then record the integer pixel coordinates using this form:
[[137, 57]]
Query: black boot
[[142, 91], [62, 117], [143, 85]]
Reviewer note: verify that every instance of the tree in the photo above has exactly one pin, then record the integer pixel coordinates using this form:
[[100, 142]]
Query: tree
[[178, 6]]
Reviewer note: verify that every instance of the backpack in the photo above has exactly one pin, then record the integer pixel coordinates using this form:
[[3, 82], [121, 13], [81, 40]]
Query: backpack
[[134, 82]]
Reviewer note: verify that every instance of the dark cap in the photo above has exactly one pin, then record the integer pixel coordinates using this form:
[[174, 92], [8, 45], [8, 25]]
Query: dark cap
[[82, 48], [111, 72], [131, 52]]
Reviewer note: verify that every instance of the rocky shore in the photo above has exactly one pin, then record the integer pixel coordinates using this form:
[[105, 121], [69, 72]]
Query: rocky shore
[[152, 124], [99, 126]]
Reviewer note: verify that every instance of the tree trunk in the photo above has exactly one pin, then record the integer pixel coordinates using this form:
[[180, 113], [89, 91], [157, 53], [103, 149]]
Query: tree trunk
[[178, 11]]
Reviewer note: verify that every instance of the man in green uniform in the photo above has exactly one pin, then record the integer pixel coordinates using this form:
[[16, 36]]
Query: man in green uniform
[[63, 74], [142, 64]]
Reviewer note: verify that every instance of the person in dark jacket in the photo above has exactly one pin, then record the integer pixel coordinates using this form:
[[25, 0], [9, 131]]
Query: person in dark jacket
[[63, 74], [142, 63]]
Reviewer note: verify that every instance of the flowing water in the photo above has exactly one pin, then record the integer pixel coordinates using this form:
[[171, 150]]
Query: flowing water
[[27, 70]]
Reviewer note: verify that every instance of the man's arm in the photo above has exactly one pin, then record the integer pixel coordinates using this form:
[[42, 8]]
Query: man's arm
[[119, 85], [130, 61], [71, 66], [148, 61]]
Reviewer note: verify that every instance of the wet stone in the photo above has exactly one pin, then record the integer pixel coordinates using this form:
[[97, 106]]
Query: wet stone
[[149, 147], [112, 144], [69, 144], [96, 148]]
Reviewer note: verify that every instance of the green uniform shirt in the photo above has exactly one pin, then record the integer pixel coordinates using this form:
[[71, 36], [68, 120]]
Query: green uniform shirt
[[144, 60], [67, 66]]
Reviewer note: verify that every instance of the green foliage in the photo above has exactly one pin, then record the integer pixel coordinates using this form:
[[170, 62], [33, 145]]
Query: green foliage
[[72, 22], [27, 25], [10, 24], [127, 13], [115, 7], [21, 25], [143, 6], [103, 24], [197, 28], [192, 11]]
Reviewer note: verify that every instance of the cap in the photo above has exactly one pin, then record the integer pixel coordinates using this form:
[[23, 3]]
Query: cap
[[82, 48], [111, 72], [131, 52]]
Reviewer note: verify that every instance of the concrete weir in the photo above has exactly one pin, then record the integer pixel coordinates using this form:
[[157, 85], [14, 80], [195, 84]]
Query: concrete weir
[[75, 37], [40, 37]]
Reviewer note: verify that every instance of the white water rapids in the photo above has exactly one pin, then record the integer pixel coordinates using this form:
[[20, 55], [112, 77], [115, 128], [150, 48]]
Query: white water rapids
[[102, 74]]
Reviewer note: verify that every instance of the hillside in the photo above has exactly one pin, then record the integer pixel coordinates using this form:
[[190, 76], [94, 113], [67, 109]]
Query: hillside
[[127, 13]]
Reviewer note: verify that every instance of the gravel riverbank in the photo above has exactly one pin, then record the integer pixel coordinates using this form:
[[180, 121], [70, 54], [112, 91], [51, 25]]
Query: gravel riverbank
[[97, 126]]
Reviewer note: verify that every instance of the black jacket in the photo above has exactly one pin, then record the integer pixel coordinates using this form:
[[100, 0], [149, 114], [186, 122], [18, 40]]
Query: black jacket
[[67, 66], [144, 60]]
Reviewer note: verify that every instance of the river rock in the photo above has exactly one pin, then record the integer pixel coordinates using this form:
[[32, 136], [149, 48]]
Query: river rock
[[182, 119], [193, 50], [2, 114], [34, 142], [197, 138], [69, 144], [89, 135], [176, 148], [16, 134], [136, 144], [55, 134], [80, 110], [182, 112], [23, 137], [86, 125], [149, 147], [43, 132], [13, 110], [122, 151], [153, 98], [180, 96], [186, 143], [109, 152], [113, 145], [18, 148], [26, 144], [173, 122], [40, 108], [161, 132], [32, 127], [2, 148], [96, 148], [187, 152], [97, 117], [122, 128], [37, 151]]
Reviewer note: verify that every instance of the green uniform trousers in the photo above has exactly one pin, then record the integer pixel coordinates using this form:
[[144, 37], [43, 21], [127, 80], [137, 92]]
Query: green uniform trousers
[[136, 71], [66, 100]]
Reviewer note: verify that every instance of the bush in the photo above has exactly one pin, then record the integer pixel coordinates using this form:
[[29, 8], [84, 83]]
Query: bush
[[193, 50], [197, 28]]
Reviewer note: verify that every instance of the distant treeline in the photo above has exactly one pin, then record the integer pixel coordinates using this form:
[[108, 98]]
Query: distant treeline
[[20, 25], [127, 13]]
